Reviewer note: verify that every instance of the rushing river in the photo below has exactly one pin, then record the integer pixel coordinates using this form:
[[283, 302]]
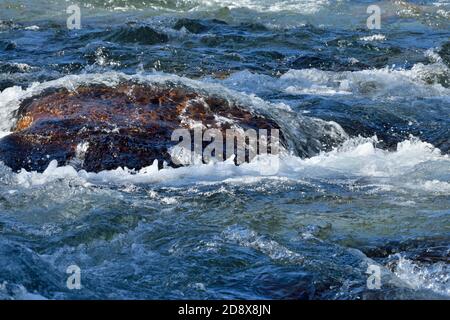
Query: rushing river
[[316, 229]]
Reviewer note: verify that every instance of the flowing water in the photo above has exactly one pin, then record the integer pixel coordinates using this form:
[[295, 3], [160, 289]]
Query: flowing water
[[313, 230]]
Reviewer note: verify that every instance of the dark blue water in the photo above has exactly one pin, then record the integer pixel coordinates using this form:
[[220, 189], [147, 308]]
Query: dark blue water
[[309, 231]]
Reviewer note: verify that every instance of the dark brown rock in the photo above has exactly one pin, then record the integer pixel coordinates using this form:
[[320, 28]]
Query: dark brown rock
[[125, 126]]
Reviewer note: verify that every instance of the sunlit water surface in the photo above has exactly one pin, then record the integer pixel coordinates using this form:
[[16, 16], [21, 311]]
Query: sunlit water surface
[[217, 231]]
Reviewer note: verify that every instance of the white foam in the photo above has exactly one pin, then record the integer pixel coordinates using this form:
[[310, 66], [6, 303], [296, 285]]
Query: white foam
[[8, 104], [434, 186], [300, 6], [32, 28], [433, 55], [434, 277], [17, 292], [357, 158], [249, 238], [387, 83], [375, 37]]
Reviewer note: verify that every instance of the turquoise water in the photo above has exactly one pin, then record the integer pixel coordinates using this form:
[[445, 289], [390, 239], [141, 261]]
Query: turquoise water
[[309, 231]]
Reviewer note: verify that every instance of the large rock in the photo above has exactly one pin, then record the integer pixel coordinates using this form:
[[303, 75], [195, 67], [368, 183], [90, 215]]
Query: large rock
[[98, 127]]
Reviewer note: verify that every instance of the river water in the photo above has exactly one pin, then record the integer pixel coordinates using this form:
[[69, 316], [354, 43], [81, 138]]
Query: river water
[[313, 230]]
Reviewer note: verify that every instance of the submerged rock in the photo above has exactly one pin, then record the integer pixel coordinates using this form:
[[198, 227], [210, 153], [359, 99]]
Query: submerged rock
[[141, 35], [198, 26], [327, 63], [98, 127], [193, 26]]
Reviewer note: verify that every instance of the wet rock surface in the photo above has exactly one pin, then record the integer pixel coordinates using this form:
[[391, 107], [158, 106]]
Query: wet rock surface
[[98, 127]]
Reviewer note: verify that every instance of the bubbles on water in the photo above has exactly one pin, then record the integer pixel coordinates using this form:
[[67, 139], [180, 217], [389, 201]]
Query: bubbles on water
[[422, 276], [167, 233], [271, 248]]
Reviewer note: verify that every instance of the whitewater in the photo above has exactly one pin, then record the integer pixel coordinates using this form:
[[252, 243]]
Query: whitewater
[[308, 228]]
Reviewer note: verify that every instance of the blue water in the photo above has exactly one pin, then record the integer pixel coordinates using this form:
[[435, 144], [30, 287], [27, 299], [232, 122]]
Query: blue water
[[309, 231]]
